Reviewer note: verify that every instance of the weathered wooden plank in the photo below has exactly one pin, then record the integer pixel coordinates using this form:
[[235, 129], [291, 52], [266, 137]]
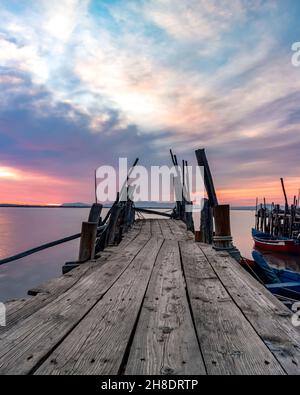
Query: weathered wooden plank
[[49, 291], [179, 231], [63, 283], [165, 341], [84, 322], [155, 228], [269, 317], [98, 344], [167, 225], [152, 212], [179, 228], [29, 341], [228, 342], [165, 229]]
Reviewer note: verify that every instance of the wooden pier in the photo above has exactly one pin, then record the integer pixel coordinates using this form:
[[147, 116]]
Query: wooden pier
[[152, 297], [158, 303]]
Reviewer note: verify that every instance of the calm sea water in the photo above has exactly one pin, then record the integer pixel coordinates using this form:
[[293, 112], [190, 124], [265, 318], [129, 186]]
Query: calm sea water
[[24, 228]]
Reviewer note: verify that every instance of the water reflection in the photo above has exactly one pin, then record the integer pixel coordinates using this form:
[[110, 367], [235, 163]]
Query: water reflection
[[242, 222], [24, 228]]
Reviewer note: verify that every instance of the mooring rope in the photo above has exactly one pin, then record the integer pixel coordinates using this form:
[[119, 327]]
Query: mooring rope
[[259, 279], [51, 244], [38, 249]]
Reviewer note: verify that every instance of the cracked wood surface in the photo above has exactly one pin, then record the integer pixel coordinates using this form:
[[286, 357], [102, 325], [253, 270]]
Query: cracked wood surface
[[158, 303]]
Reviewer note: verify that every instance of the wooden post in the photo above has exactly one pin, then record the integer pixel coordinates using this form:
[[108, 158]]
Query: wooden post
[[198, 236], [257, 218], [285, 195], [188, 216], [113, 228], [222, 239], [276, 231], [88, 241], [272, 222], [292, 220], [127, 216], [209, 184], [261, 218], [265, 216], [95, 213], [206, 226]]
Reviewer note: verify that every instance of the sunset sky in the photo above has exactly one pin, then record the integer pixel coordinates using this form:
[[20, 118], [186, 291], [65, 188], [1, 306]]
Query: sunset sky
[[84, 82]]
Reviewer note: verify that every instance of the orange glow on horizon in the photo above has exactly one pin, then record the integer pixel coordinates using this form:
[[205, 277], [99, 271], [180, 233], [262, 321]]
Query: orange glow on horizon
[[29, 203], [27, 187], [271, 190]]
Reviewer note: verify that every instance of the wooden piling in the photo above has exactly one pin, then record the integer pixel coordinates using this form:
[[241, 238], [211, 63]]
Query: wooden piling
[[114, 225], [198, 236], [206, 225], [95, 213], [209, 184], [87, 241], [222, 238]]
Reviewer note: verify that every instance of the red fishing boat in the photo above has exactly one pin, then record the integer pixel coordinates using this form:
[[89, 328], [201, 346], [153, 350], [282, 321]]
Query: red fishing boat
[[267, 242]]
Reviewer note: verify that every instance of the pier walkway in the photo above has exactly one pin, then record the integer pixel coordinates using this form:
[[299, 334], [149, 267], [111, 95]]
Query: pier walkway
[[158, 303]]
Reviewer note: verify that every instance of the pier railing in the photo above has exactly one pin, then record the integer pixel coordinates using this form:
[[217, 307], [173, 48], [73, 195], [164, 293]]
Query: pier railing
[[97, 233], [215, 227]]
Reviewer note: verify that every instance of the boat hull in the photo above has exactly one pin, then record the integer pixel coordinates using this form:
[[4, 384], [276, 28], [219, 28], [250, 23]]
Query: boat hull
[[266, 242], [277, 246], [282, 283]]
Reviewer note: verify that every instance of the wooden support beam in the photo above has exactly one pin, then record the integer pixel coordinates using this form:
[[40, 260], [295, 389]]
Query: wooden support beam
[[198, 236], [222, 220], [88, 241], [172, 157], [222, 238], [206, 225], [146, 211], [95, 213], [113, 228], [285, 195], [209, 184]]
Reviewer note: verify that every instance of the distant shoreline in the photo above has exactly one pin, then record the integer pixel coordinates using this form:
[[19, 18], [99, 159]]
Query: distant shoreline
[[38, 206], [105, 206]]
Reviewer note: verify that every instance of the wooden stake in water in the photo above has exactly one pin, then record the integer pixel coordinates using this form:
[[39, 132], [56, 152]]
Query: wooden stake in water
[[285, 195], [87, 242]]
